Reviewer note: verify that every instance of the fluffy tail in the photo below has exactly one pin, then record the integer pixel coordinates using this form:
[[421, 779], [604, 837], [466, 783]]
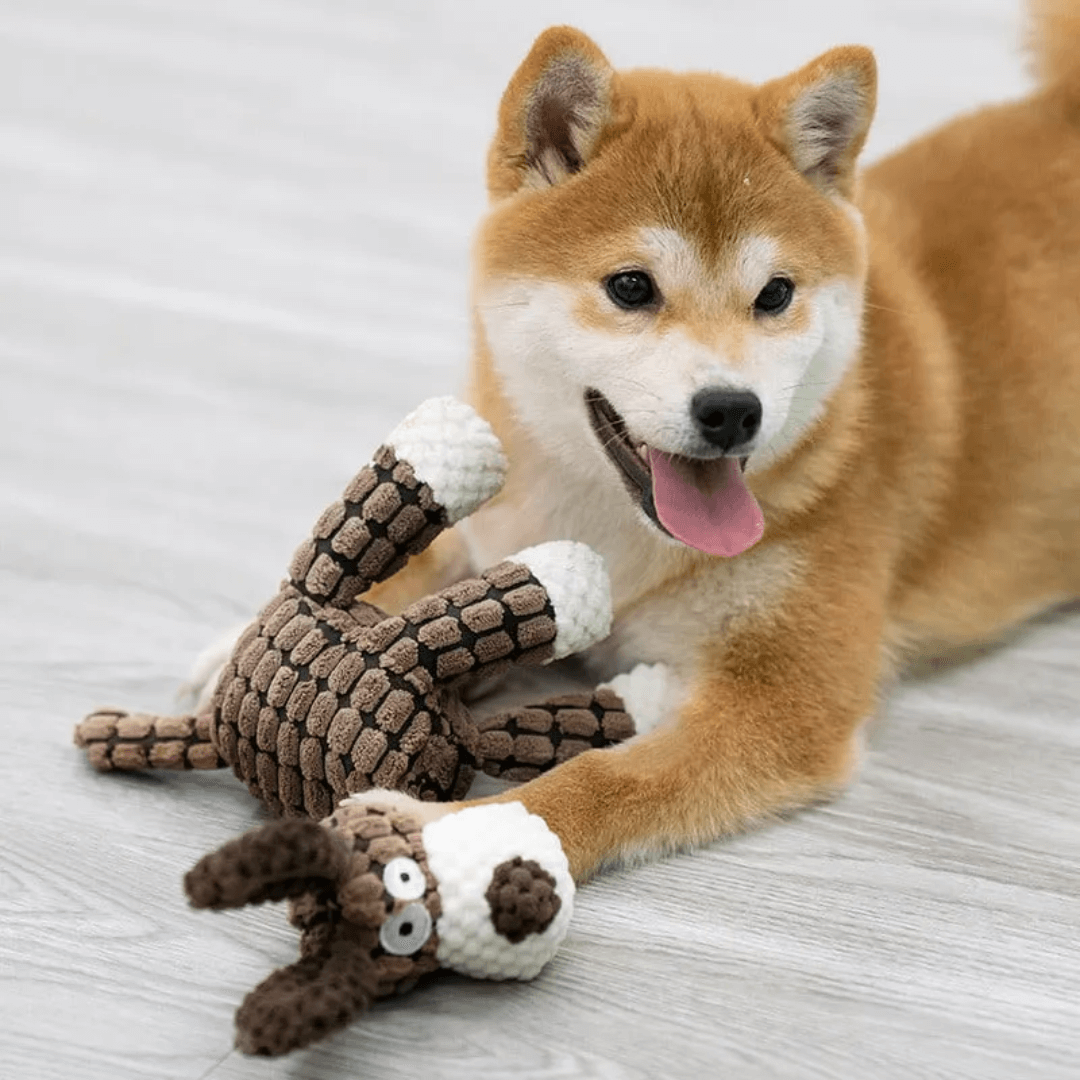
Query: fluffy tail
[[1054, 42]]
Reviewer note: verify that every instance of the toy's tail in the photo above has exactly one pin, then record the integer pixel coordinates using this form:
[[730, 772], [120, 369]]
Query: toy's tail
[[132, 742], [1054, 41], [437, 466]]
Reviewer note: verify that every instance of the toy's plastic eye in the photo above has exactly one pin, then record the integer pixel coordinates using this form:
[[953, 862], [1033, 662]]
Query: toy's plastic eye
[[404, 880], [402, 934]]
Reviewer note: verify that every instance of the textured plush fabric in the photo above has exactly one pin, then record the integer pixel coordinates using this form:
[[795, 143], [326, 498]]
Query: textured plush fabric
[[520, 744], [114, 739], [312, 709], [334, 874], [505, 887], [368, 899], [325, 695]]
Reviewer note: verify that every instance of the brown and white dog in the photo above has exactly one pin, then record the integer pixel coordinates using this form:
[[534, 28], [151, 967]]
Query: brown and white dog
[[814, 420]]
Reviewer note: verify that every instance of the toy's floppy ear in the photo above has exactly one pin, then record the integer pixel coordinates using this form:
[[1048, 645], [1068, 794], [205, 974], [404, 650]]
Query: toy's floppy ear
[[820, 115], [323, 991], [551, 113], [277, 861], [308, 1000]]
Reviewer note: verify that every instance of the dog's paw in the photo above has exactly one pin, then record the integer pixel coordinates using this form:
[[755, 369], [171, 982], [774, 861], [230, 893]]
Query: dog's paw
[[206, 669], [421, 810], [650, 693]]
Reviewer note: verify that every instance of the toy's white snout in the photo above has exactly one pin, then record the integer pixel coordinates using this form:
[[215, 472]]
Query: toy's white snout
[[463, 852]]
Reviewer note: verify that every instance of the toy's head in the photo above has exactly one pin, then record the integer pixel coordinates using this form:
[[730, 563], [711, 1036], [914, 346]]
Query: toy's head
[[380, 902]]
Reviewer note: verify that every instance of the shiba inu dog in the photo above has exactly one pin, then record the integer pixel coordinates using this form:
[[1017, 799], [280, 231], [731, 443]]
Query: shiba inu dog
[[814, 420]]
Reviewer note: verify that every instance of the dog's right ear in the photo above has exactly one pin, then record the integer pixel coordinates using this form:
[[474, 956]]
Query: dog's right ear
[[551, 113]]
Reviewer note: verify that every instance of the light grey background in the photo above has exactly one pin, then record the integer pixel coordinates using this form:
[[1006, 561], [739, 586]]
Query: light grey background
[[233, 251]]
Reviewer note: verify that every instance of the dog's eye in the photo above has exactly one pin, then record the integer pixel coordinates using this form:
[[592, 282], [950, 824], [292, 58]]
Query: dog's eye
[[402, 934], [775, 297], [404, 880], [631, 289]]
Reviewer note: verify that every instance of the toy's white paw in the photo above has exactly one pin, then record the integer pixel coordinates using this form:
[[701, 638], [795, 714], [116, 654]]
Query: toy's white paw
[[454, 451], [650, 693], [206, 668], [576, 581], [420, 809]]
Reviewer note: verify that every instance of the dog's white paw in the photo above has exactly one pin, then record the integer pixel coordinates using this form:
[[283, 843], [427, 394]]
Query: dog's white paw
[[423, 810], [650, 693], [206, 668]]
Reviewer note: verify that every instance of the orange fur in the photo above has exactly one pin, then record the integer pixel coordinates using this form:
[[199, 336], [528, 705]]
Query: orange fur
[[934, 501]]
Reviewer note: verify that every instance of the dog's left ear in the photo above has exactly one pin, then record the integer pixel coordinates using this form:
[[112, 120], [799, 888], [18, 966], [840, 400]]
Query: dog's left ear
[[551, 114], [820, 115]]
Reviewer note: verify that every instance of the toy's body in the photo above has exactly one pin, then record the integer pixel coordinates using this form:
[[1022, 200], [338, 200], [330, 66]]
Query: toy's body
[[326, 696]]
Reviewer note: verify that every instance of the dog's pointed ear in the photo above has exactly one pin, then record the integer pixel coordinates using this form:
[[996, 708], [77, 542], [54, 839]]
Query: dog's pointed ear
[[820, 115], [551, 113]]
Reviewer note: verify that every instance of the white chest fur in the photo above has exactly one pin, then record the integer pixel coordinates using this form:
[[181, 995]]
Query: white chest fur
[[669, 602]]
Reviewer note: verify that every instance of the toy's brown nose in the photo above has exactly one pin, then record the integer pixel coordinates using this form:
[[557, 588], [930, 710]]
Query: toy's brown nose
[[523, 899]]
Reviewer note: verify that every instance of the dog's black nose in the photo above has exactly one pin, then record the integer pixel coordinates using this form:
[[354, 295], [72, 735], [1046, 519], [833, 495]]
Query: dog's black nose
[[726, 418]]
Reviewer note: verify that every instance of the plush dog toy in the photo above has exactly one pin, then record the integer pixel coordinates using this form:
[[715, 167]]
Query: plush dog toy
[[326, 696], [380, 902]]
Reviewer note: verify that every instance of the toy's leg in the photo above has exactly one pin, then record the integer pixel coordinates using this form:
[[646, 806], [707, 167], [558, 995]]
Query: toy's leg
[[131, 742], [436, 467], [522, 743]]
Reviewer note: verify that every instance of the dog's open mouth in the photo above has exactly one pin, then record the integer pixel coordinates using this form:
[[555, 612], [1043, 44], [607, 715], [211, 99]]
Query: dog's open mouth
[[705, 503]]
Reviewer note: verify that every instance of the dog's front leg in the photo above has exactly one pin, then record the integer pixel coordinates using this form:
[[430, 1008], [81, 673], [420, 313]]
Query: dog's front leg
[[769, 725]]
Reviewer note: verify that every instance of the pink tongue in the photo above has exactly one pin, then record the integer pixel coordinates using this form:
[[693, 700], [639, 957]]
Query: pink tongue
[[724, 520]]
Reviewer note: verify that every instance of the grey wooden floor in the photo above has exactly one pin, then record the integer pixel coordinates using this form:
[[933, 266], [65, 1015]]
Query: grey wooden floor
[[233, 250]]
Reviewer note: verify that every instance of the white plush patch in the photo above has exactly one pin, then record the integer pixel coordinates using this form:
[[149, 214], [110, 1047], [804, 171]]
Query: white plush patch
[[463, 850], [649, 692], [454, 451], [578, 586]]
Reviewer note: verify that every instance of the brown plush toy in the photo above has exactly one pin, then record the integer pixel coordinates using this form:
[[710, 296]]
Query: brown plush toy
[[326, 696], [381, 902]]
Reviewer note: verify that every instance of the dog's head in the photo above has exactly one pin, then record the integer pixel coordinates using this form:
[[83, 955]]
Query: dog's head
[[670, 277]]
